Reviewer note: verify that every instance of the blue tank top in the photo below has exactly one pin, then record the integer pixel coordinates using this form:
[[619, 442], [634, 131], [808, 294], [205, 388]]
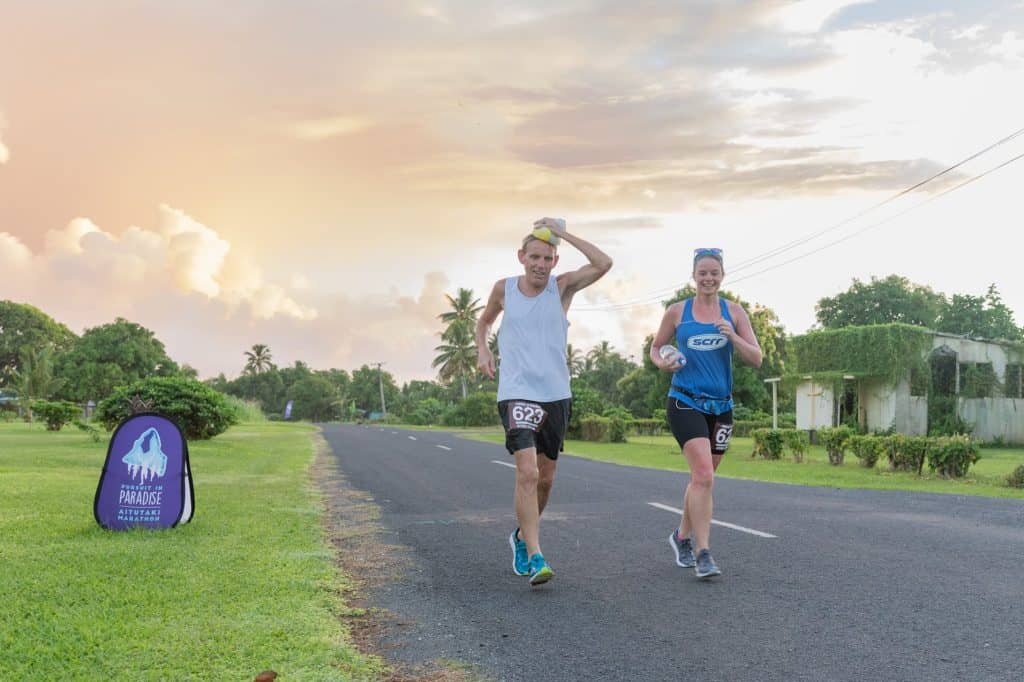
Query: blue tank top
[[705, 382], [531, 345]]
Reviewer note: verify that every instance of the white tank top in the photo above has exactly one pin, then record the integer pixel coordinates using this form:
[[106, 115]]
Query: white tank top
[[531, 345]]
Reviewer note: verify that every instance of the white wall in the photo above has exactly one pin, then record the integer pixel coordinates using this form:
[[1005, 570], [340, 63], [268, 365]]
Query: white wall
[[815, 406], [994, 418]]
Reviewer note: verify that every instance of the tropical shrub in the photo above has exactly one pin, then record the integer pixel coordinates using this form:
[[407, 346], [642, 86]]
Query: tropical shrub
[[867, 448], [951, 456], [199, 410], [797, 441], [767, 443], [835, 439], [55, 413]]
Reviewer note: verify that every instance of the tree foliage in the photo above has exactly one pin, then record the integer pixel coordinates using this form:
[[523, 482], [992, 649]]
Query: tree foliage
[[893, 299], [200, 411], [365, 388], [259, 359], [896, 299], [456, 358], [25, 328], [109, 356], [315, 398], [984, 317]]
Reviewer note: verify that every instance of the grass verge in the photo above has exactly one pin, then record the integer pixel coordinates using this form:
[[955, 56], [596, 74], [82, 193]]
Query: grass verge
[[986, 478], [247, 585]]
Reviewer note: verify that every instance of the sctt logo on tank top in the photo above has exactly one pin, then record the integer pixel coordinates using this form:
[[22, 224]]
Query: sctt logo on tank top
[[706, 342]]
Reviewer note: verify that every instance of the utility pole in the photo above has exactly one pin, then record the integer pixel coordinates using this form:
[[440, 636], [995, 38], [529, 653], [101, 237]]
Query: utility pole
[[380, 382]]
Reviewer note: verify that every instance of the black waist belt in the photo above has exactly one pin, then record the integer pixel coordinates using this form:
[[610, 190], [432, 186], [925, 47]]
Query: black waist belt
[[699, 397]]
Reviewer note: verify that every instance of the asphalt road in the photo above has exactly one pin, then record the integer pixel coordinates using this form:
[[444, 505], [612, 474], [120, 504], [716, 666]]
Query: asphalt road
[[855, 585]]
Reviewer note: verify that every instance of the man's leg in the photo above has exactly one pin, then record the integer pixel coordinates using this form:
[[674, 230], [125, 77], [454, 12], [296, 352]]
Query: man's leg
[[526, 498], [546, 469]]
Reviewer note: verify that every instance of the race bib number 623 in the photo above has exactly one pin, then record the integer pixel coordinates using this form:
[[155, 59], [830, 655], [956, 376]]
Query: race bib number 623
[[525, 415]]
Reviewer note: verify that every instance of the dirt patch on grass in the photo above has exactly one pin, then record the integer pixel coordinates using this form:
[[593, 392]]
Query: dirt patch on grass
[[362, 554]]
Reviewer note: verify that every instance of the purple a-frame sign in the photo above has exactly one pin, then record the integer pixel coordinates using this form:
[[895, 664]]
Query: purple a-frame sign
[[146, 480]]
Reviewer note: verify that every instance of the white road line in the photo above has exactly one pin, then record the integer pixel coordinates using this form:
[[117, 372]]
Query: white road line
[[742, 529], [412, 437], [444, 447], [504, 464]]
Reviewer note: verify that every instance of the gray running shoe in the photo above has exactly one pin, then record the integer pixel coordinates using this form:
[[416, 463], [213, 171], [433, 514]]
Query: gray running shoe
[[683, 549], [706, 567]]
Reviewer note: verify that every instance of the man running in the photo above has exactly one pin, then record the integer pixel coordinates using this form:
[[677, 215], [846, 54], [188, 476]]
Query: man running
[[534, 398]]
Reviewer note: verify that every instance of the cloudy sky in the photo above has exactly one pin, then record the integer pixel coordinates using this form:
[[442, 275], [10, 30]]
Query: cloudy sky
[[315, 176]]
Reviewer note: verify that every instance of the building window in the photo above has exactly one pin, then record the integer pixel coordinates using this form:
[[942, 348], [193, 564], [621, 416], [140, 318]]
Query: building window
[[978, 380], [1014, 389]]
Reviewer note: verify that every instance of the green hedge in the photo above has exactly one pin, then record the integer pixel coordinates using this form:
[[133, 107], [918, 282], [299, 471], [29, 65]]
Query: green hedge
[[647, 427], [199, 410], [56, 413], [603, 429], [866, 448], [797, 441], [836, 441], [767, 443], [952, 455]]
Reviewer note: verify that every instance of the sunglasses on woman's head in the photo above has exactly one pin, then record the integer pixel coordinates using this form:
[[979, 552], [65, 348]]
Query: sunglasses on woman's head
[[700, 253]]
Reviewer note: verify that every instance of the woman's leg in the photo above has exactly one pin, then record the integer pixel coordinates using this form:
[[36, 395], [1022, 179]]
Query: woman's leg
[[697, 500]]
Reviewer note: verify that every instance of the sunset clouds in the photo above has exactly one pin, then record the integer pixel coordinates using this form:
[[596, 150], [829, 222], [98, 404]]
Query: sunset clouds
[[310, 175]]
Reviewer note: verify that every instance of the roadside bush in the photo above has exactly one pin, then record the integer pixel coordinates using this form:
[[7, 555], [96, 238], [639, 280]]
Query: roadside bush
[[427, 411], [767, 443], [199, 410], [835, 440], [1016, 477], [951, 456], [867, 449], [905, 453], [55, 413], [647, 427], [247, 410], [744, 428], [797, 441], [478, 409], [595, 429]]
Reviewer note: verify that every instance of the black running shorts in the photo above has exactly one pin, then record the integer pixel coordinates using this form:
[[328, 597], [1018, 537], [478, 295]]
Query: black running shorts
[[531, 424], [687, 423]]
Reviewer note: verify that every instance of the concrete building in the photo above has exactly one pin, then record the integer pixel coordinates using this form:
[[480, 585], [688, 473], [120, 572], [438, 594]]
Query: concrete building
[[981, 379]]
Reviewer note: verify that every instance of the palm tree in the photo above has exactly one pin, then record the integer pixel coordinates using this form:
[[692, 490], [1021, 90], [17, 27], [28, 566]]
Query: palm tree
[[464, 310], [574, 359], [598, 354], [258, 360], [34, 378], [457, 355]]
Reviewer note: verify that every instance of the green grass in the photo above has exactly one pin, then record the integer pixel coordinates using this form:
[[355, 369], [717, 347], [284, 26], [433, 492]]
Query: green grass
[[249, 584], [987, 477]]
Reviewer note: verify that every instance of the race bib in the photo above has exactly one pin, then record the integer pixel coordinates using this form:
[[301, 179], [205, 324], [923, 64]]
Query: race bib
[[721, 436], [525, 415]]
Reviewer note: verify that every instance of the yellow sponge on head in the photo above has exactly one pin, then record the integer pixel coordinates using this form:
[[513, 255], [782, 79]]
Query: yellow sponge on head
[[546, 235]]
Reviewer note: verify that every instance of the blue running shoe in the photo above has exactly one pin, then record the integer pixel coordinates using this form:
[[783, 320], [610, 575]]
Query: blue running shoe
[[540, 572], [520, 559], [683, 549], [706, 566]]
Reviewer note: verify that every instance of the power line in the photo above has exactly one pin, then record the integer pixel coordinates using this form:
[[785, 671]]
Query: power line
[[657, 294], [881, 222]]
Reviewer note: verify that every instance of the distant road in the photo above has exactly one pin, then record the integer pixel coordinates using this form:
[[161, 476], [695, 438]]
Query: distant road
[[855, 584]]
